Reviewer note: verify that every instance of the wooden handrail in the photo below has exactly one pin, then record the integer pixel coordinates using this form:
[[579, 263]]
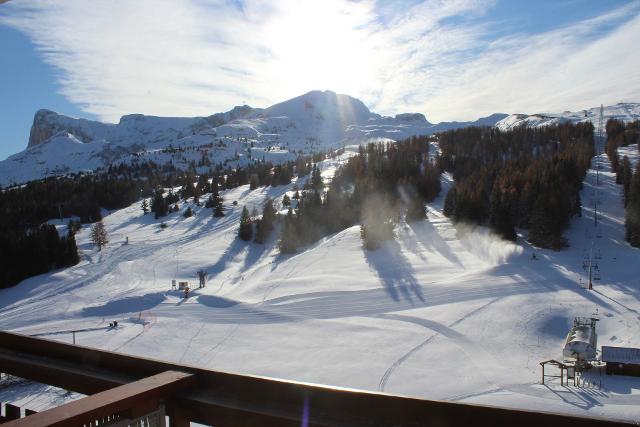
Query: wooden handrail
[[228, 399], [132, 399]]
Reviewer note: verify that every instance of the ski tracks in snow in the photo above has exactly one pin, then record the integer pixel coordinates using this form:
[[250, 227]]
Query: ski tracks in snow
[[188, 346], [390, 370], [466, 345], [212, 350]]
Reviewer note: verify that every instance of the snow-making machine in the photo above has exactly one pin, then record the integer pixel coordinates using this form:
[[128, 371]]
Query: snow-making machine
[[582, 340]]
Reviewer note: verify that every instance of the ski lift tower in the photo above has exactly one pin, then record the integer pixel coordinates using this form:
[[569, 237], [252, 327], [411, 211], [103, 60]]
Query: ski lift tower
[[601, 122], [593, 270], [600, 135]]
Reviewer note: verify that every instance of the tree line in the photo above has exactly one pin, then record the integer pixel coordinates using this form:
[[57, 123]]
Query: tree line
[[377, 187], [526, 177], [619, 135], [30, 247], [24, 209], [33, 252]]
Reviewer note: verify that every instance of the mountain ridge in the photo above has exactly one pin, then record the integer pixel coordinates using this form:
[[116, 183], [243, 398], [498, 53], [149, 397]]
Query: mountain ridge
[[624, 111], [313, 122]]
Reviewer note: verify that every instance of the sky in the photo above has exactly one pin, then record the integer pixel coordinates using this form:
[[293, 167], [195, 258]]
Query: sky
[[447, 59]]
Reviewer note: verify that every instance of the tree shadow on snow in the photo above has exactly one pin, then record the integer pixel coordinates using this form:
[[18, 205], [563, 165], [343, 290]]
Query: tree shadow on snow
[[140, 220], [254, 254], [216, 302], [229, 254], [126, 305], [543, 275], [428, 236], [394, 271]]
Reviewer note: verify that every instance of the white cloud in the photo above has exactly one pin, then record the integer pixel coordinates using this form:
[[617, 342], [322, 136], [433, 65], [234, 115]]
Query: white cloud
[[570, 68], [198, 57]]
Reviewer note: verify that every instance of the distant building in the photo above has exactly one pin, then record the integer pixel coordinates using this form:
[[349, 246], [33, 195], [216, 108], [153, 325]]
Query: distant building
[[622, 360]]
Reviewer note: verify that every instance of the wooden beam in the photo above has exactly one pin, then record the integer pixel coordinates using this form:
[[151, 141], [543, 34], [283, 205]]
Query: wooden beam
[[227, 399], [147, 392]]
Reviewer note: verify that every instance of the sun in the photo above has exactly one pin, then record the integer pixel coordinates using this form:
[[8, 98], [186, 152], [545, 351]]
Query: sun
[[321, 45]]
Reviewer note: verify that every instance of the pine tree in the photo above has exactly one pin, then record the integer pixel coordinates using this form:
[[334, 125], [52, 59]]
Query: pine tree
[[543, 230], [265, 226], [373, 234], [286, 201], [416, 210], [99, 235], [289, 241], [71, 252], [245, 232], [253, 182], [451, 204], [96, 213], [217, 210], [217, 201], [499, 217], [159, 205], [316, 179], [625, 171], [144, 206], [633, 209], [301, 167], [377, 222]]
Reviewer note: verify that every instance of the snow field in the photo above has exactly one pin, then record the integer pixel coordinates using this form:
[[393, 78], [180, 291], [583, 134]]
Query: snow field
[[442, 312]]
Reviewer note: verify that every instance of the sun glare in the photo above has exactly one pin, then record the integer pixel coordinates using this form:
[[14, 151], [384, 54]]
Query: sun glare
[[320, 45]]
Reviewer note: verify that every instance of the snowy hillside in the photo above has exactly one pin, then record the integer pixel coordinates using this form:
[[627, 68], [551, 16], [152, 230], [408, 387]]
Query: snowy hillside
[[627, 112], [441, 312], [310, 123]]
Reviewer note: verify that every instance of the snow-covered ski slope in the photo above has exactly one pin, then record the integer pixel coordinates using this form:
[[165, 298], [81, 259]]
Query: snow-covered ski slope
[[443, 312], [310, 123]]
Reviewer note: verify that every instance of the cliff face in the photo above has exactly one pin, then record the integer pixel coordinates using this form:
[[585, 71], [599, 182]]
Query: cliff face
[[47, 123], [136, 127], [42, 128], [412, 117]]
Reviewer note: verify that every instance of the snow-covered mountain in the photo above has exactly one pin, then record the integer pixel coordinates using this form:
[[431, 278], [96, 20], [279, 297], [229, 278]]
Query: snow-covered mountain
[[628, 111], [315, 121]]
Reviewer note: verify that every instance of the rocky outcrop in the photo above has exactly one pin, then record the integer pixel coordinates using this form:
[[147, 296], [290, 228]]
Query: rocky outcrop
[[47, 123], [412, 117]]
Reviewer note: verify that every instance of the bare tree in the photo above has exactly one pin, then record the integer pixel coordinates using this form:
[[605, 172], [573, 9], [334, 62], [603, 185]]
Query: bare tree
[[99, 235]]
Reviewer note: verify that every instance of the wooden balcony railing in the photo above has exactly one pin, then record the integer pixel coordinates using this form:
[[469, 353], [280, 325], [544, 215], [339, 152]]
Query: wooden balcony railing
[[128, 390]]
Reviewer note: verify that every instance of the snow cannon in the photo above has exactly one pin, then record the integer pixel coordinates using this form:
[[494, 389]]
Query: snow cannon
[[582, 340]]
